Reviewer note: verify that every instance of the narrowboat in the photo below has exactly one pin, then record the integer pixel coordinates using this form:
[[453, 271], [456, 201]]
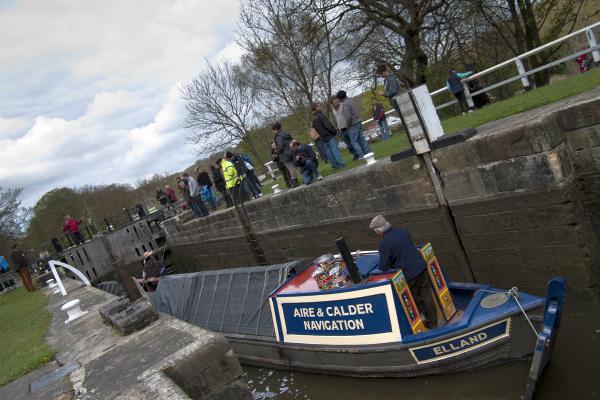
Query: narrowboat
[[339, 314]]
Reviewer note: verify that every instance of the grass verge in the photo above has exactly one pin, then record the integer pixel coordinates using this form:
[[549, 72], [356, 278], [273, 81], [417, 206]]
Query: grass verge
[[558, 90], [24, 322]]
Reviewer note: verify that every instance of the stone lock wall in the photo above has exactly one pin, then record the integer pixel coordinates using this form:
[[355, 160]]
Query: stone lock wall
[[523, 200]]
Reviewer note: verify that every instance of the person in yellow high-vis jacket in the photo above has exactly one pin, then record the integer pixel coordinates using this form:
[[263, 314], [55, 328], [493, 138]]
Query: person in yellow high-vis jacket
[[233, 182]]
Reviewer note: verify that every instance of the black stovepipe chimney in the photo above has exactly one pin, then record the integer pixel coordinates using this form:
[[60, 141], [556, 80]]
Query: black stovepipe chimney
[[347, 257]]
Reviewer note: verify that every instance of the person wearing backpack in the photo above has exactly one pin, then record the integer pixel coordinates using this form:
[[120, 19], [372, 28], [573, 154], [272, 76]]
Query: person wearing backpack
[[253, 182], [284, 151]]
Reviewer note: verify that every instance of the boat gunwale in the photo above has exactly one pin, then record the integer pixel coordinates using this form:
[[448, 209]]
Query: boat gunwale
[[375, 348]]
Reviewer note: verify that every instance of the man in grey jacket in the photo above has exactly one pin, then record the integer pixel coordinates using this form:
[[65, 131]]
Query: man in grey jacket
[[353, 125], [392, 88]]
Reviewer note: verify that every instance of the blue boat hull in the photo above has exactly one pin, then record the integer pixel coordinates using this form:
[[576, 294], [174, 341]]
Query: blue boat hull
[[500, 341]]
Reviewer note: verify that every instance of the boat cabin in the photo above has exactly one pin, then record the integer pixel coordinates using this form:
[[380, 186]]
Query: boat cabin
[[380, 309]]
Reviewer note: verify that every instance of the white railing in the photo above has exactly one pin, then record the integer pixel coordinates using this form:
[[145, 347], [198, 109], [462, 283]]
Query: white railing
[[523, 74]]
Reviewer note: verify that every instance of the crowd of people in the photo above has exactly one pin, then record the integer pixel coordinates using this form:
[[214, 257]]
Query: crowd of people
[[232, 176], [232, 179]]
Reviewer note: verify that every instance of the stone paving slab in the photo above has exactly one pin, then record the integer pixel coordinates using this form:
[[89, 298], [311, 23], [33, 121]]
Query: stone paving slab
[[19, 388], [94, 361], [52, 376]]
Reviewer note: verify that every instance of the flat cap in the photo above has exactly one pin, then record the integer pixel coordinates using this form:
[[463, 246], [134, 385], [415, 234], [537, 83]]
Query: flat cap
[[380, 223]]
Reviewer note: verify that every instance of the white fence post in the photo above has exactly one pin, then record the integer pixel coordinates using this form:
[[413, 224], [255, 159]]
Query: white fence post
[[521, 68], [592, 41], [468, 96]]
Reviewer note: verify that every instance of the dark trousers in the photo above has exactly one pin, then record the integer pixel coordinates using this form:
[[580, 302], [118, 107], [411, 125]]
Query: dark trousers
[[251, 184], [462, 101], [77, 237], [238, 193], [322, 148], [348, 143], [198, 206], [287, 178], [420, 287], [26, 279], [221, 188]]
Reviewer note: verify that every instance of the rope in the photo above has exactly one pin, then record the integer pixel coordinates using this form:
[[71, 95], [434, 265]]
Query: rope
[[514, 293]]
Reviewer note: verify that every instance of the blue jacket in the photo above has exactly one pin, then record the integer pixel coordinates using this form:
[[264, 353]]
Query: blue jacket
[[205, 193], [454, 83], [397, 251]]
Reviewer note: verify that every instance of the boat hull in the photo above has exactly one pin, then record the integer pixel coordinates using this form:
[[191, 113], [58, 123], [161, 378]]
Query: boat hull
[[393, 360]]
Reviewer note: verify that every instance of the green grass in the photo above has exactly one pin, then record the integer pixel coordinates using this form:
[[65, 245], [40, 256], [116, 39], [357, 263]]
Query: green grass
[[382, 149], [553, 92], [24, 322]]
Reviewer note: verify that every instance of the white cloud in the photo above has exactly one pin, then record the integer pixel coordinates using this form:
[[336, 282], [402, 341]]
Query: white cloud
[[11, 127], [231, 52], [89, 90]]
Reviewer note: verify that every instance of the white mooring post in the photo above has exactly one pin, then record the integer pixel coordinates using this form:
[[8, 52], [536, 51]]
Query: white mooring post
[[73, 310], [521, 69], [593, 42]]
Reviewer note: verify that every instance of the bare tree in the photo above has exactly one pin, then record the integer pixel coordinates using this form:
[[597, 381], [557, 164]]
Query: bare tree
[[221, 108], [520, 23], [396, 29], [10, 205], [293, 53]]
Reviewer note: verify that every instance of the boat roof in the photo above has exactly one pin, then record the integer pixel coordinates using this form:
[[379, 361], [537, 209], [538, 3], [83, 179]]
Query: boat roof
[[234, 300]]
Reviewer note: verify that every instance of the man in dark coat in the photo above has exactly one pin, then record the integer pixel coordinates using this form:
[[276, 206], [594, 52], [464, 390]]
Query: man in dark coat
[[284, 151], [21, 266], [281, 166], [397, 251], [327, 135], [204, 178]]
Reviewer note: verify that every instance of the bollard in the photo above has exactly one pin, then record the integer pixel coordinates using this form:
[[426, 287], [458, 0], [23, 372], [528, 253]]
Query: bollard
[[73, 310], [370, 157]]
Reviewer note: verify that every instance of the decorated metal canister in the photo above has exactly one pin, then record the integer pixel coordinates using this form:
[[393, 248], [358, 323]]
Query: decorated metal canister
[[325, 261], [319, 274]]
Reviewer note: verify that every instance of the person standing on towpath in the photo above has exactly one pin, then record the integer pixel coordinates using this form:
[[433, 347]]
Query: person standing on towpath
[[21, 266], [397, 251]]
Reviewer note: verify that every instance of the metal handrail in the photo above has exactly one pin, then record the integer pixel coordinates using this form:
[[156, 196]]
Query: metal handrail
[[593, 48], [521, 56]]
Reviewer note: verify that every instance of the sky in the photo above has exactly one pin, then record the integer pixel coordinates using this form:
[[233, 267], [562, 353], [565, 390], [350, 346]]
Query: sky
[[89, 90]]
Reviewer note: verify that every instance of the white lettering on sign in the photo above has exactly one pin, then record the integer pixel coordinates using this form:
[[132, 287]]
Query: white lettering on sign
[[304, 312], [351, 310], [464, 343], [339, 325]]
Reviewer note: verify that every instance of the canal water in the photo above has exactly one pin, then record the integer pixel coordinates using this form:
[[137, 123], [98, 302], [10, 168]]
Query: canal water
[[574, 374]]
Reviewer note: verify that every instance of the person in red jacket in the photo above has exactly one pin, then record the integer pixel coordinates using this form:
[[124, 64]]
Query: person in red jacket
[[71, 226], [171, 196]]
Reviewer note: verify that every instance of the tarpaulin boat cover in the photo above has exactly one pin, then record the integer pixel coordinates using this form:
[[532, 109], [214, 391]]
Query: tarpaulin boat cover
[[230, 301]]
